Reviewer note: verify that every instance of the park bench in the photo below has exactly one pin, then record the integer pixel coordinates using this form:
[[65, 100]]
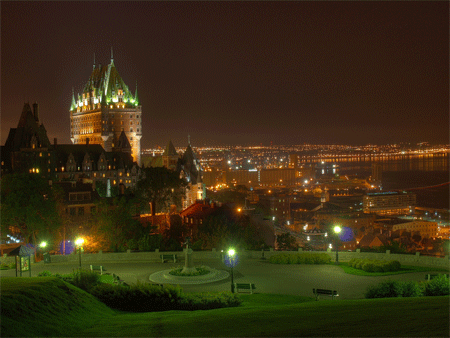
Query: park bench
[[432, 276], [98, 268], [167, 257], [244, 287], [331, 293]]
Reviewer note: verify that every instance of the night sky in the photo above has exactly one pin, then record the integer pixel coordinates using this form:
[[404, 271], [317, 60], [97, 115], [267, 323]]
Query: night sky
[[245, 73]]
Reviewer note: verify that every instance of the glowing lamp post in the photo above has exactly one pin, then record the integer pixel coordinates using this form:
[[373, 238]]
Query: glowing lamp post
[[337, 230], [79, 242], [231, 262], [44, 254]]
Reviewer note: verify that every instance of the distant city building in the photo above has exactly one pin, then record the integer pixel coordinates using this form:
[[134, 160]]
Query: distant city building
[[188, 167], [424, 228], [261, 177], [105, 109], [389, 203]]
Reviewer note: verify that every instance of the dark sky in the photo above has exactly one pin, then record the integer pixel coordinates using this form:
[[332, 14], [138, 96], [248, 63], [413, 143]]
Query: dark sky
[[239, 72]]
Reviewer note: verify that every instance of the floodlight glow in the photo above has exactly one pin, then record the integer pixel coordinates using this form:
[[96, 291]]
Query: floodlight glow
[[231, 252], [79, 241], [337, 229], [43, 244]]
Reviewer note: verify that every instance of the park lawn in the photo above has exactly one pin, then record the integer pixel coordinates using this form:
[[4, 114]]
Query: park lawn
[[404, 269], [47, 307], [107, 279], [387, 317]]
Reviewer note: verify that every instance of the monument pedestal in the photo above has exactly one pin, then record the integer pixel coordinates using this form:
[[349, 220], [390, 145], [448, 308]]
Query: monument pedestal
[[189, 262]]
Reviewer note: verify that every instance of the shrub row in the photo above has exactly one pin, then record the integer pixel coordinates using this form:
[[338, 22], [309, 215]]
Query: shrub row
[[300, 258], [200, 271], [142, 297], [146, 297], [438, 286], [84, 279], [6, 266], [374, 265]]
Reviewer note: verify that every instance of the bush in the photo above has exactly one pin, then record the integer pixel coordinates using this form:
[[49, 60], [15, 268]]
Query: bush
[[368, 266], [438, 286], [85, 279], [45, 274], [385, 289], [200, 271], [374, 265], [142, 297], [300, 258], [394, 289], [411, 289]]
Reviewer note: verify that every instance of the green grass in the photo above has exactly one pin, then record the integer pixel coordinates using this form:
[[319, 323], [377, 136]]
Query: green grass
[[47, 306], [414, 317], [404, 269], [107, 279]]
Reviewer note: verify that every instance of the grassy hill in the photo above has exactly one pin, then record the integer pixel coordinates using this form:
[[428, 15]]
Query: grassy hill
[[50, 307], [47, 306]]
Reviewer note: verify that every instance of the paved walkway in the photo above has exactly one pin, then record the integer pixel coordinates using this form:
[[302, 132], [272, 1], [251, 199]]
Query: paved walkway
[[268, 278]]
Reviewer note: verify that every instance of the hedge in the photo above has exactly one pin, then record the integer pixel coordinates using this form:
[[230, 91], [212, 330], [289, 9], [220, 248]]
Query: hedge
[[142, 297], [438, 286], [300, 258], [374, 265]]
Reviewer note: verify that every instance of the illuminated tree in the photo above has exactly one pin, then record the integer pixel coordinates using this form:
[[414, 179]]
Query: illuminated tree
[[28, 206], [159, 187]]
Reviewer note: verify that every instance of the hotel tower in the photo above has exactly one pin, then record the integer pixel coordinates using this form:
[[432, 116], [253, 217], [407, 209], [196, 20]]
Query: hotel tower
[[107, 113]]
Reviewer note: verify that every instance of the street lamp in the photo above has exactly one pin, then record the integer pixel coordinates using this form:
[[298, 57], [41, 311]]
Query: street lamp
[[79, 242], [44, 254], [231, 258], [337, 230]]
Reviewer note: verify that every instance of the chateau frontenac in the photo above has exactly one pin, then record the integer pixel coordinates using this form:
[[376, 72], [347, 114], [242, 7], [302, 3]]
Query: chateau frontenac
[[104, 110]]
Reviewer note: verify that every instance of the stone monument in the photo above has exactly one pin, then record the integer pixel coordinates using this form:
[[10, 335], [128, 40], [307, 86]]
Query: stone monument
[[189, 260]]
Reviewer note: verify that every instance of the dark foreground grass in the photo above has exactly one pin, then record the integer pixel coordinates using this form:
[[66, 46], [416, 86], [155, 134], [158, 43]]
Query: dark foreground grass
[[393, 317], [404, 269], [260, 315], [47, 306]]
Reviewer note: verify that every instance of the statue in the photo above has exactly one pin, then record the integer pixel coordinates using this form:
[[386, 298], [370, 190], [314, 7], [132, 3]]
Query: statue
[[188, 261]]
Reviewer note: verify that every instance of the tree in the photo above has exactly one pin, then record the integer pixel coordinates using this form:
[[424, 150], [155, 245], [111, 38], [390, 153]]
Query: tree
[[114, 224], [287, 242], [28, 207], [159, 187], [175, 235]]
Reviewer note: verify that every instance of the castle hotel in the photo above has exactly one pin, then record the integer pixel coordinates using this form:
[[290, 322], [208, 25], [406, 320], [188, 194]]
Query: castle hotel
[[105, 109]]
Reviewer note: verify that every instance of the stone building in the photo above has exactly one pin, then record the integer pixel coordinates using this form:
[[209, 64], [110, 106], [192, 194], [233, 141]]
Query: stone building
[[28, 149], [104, 110]]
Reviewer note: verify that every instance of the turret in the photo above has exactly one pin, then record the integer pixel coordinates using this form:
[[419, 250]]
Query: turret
[[136, 98], [36, 111], [73, 106]]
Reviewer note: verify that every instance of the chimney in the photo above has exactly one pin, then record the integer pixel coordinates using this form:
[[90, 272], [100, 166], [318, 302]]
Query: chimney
[[87, 141], [55, 141], [36, 111]]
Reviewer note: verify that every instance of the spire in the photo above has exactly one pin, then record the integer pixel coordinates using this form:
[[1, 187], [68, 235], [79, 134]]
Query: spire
[[73, 105], [112, 58], [170, 150], [136, 98], [189, 139], [94, 61], [103, 99]]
